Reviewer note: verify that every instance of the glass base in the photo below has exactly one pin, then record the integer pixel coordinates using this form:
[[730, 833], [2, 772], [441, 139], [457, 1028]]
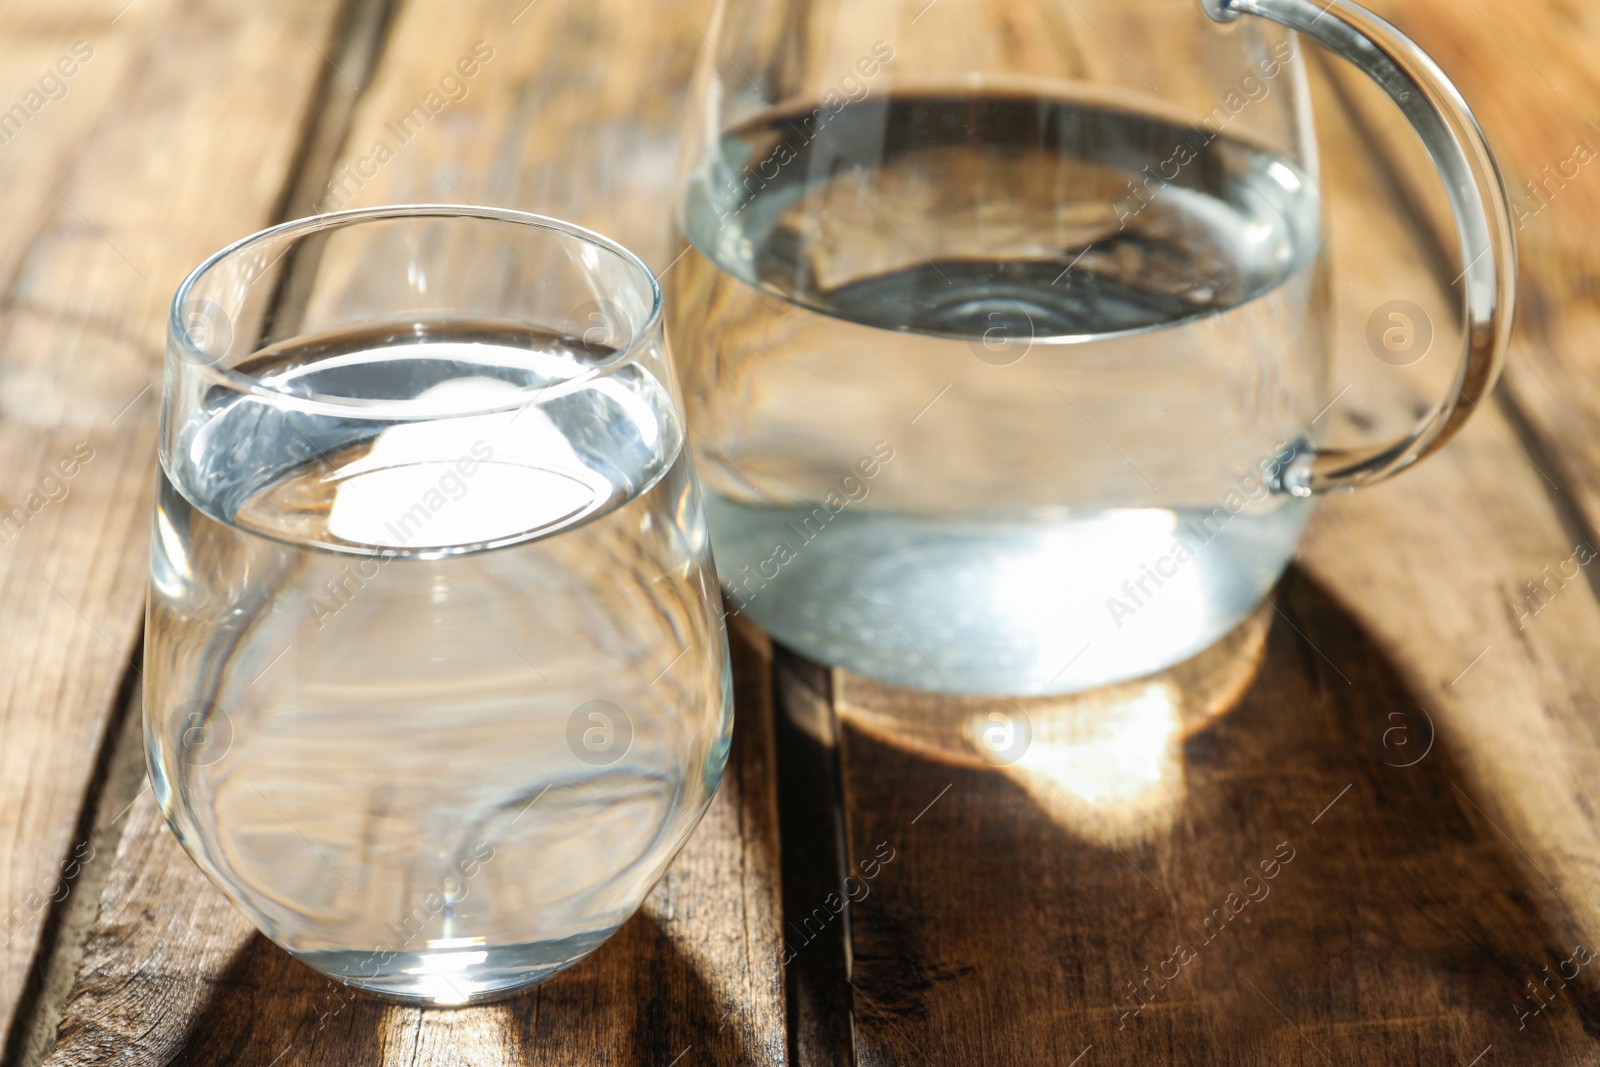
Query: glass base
[[458, 972], [1001, 607]]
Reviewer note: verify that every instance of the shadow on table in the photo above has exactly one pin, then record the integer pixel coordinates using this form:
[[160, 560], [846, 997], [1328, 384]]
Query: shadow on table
[[1318, 888], [637, 1000]]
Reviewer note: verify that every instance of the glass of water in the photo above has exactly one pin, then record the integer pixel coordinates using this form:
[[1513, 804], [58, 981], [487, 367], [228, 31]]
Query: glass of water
[[1004, 324], [435, 679]]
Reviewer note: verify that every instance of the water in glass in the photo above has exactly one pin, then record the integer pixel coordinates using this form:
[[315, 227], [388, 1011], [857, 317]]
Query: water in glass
[[420, 695], [985, 406]]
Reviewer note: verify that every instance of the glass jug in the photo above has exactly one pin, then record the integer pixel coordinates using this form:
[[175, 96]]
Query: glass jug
[[1003, 323]]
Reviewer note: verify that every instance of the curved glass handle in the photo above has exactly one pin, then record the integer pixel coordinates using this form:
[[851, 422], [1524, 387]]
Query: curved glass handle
[[1483, 222]]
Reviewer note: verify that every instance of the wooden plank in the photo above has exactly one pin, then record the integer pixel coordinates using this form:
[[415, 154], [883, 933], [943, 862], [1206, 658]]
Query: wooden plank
[[121, 178], [1010, 924], [169, 969], [1545, 419], [552, 123], [1532, 82], [120, 782], [1416, 743]]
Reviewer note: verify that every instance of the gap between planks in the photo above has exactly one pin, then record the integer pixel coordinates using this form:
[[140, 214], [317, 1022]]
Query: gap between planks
[[119, 778]]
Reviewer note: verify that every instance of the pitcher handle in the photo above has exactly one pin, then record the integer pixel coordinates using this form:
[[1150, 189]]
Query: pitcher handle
[[1483, 222]]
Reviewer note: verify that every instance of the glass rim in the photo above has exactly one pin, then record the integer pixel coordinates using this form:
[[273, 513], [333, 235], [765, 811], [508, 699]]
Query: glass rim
[[404, 410]]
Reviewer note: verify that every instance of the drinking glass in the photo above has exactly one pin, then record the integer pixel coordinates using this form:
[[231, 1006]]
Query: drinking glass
[[1004, 323], [435, 678]]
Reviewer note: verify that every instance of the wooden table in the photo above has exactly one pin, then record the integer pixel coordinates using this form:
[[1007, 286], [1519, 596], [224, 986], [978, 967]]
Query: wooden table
[[1416, 759]]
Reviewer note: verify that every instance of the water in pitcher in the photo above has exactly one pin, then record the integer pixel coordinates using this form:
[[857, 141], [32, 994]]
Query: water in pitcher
[[988, 387], [417, 697]]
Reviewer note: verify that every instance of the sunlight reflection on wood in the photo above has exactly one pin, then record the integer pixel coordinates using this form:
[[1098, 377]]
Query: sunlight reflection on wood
[[1106, 765]]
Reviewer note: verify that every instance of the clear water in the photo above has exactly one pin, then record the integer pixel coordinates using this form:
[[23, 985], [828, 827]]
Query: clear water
[[436, 705], [1081, 374]]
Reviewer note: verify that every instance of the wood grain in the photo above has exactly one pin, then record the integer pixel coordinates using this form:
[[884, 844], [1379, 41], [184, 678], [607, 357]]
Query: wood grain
[[1532, 83], [576, 115], [113, 190], [1402, 930], [1536, 659], [1420, 733]]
